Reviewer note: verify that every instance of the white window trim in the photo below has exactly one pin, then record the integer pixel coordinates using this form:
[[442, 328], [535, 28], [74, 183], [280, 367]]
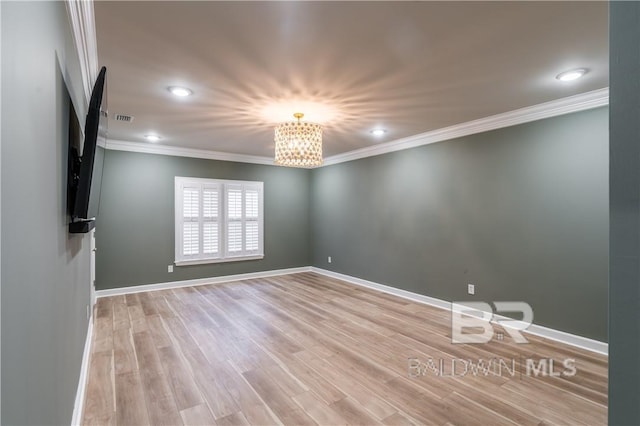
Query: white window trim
[[222, 255]]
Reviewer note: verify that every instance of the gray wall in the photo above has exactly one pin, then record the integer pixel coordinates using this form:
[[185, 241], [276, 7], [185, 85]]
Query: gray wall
[[624, 285], [135, 227], [520, 212], [45, 272]]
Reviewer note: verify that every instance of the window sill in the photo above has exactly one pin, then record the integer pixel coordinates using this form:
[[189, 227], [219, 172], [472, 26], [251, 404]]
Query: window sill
[[221, 260]]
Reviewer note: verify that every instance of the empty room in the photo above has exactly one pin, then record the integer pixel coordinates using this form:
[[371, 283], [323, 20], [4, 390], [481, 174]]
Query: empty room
[[320, 213]]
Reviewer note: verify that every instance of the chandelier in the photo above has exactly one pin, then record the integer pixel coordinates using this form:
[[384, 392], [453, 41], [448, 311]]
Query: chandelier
[[298, 144]]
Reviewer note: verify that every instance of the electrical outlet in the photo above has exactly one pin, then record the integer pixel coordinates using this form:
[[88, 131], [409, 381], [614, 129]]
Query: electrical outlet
[[170, 268], [88, 312], [329, 259], [471, 289]]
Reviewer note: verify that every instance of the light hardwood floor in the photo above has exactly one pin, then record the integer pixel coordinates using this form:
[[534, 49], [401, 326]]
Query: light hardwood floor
[[307, 349]]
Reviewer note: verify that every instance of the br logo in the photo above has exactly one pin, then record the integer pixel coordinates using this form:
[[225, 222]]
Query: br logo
[[477, 318]]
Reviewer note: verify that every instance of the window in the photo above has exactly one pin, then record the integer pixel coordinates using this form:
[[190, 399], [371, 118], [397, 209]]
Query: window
[[218, 220]]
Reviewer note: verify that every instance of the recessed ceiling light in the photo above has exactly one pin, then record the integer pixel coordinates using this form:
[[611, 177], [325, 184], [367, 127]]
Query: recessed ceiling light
[[378, 132], [180, 91], [152, 138], [571, 74]]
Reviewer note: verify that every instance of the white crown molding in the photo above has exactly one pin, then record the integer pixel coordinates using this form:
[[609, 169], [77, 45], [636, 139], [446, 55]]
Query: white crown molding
[[78, 406], [550, 109], [200, 281], [581, 102], [184, 152], [83, 27], [537, 330]]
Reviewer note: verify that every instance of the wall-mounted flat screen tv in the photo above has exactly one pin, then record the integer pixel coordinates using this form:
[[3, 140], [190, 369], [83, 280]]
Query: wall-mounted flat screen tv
[[85, 169]]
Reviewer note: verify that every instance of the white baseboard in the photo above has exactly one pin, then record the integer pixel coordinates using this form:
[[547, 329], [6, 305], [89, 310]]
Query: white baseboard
[[438, 303], [570, 339], [84, 373], [537, 330], [200, 281]]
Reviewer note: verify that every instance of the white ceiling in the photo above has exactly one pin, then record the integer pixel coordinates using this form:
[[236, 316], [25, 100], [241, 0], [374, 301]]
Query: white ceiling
[[409, 67]]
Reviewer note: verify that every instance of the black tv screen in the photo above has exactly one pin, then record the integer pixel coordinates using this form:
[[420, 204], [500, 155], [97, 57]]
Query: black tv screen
[[86, 170]]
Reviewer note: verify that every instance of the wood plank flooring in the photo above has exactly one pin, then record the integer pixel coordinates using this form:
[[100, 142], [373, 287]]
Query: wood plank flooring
[[306, 349]]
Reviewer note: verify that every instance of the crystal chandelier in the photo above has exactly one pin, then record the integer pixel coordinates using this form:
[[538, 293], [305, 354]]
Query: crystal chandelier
[[298, 144]]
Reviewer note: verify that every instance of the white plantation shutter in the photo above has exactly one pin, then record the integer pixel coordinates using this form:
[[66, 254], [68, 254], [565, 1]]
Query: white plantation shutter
[[210, 219], [234, 219], [251, 237], [190, 217], [252, 217], [252, 203], [210, 238], [234, 238], [234, 202], [244, 218], [218, 220], [191, 202], [190, 243], [211, 203]]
